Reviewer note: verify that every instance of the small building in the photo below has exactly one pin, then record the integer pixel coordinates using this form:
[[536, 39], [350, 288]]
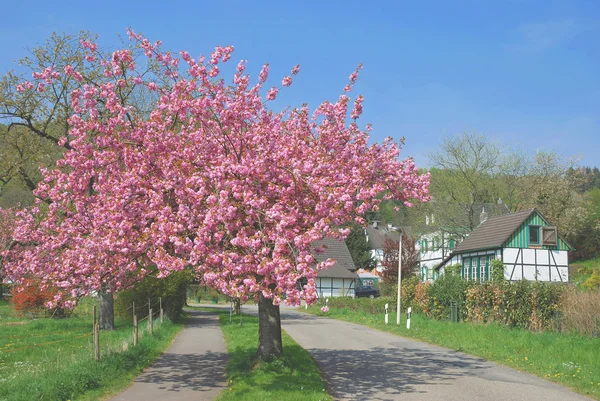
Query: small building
[[376, 235], [526, 243], [340, 279]]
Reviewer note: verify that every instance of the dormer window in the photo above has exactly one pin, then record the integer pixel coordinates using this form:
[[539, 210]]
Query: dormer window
[[534, 235]]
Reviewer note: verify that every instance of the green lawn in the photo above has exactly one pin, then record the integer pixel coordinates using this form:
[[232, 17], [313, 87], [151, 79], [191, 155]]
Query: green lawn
[[571, 360], [294, 377], [52, 359]]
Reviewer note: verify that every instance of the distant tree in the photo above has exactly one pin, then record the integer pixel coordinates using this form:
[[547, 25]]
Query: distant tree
[[463, 177], [410, 259], [7, 224], [359, 248]]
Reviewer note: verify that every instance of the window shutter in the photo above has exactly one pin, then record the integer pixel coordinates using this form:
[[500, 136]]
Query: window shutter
[[549, 236]]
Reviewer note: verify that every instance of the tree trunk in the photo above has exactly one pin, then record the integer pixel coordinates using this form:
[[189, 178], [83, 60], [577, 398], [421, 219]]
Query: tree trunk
[[269, 330], [107, 310], [237, 304]]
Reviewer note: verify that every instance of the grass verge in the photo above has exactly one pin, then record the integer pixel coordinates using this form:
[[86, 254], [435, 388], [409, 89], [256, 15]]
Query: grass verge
[[52, 359], [294, 377], [569, 359]]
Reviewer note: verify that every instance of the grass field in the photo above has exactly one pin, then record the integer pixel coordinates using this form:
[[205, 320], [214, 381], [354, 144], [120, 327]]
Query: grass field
[[295, 377], [571, 360], [52, 359]]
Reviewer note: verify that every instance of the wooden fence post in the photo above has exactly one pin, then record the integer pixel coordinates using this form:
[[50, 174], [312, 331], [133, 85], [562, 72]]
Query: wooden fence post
[[96, 338], [150, 324], [135, 331], [162, 315]]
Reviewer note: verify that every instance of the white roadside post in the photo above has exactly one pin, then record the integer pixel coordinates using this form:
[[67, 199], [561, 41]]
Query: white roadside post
[[386, 313], [408, 318], [399, 278]]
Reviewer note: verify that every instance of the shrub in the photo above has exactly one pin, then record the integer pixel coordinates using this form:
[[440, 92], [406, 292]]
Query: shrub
[[592, 282], [32, 298], [422, 298], [448, 288], [172, 290], [525, 304]]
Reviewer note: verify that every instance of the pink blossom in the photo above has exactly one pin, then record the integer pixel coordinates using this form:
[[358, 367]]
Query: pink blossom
[[272, 94], [287, 81], [296, 69], [210, 179]]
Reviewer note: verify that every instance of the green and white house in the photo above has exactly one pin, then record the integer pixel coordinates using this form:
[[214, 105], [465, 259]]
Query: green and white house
[[436, 243], [528, 245]]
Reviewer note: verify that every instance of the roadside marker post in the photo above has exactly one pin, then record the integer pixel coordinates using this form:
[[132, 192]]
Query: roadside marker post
[[386, 313], [408, 318]]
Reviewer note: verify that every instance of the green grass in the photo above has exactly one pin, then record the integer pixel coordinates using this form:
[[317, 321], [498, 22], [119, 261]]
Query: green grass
[[294, 377], [583, 269], [52, 359], [570, 360]]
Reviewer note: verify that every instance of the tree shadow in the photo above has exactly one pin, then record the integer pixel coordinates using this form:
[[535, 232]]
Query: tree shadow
[[385, 373], [182, 369]]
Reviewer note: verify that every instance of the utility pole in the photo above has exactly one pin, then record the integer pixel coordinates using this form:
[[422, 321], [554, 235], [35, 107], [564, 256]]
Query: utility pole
[[399, 305]]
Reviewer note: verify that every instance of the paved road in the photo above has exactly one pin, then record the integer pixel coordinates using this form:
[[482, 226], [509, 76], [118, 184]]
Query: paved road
[[193, 368], [360, 363]]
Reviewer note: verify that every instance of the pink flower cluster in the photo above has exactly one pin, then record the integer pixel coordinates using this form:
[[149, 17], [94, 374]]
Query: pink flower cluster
[[209, 180]]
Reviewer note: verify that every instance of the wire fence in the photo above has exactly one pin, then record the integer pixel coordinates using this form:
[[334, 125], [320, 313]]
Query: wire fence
[[155, 311]]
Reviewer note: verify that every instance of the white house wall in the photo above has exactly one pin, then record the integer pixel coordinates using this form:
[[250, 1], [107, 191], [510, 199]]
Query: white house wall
[[334, 287], [535, 264], [432, 257]]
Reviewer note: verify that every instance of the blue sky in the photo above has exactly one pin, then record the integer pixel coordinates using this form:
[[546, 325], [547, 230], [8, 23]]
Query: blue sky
[[526, 73]]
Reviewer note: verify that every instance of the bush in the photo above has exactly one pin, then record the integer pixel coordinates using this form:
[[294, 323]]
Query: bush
[[592, 282], [524, 304], [32, 298], [447, 289], [171, 289], [389, 290], [422, 298]]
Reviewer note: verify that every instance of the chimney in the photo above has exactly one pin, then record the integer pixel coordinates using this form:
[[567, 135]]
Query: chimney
[[483, 216]]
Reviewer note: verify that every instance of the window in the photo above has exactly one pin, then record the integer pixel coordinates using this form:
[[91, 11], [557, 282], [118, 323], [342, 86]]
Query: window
[[451, 244], [474, 268], [424, 245], [483, 269], [534, 235]]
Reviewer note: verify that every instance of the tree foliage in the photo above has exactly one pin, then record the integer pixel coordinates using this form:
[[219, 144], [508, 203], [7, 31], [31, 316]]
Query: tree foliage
[[410, 258], [209, 178], [359, 248]]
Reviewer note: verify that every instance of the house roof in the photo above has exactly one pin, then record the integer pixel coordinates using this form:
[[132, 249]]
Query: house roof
[[377, 236], [335, 249], [493, 232]]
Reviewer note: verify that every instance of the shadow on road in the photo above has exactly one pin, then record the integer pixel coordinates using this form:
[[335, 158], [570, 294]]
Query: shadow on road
[[381, 373], [180, 370]]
